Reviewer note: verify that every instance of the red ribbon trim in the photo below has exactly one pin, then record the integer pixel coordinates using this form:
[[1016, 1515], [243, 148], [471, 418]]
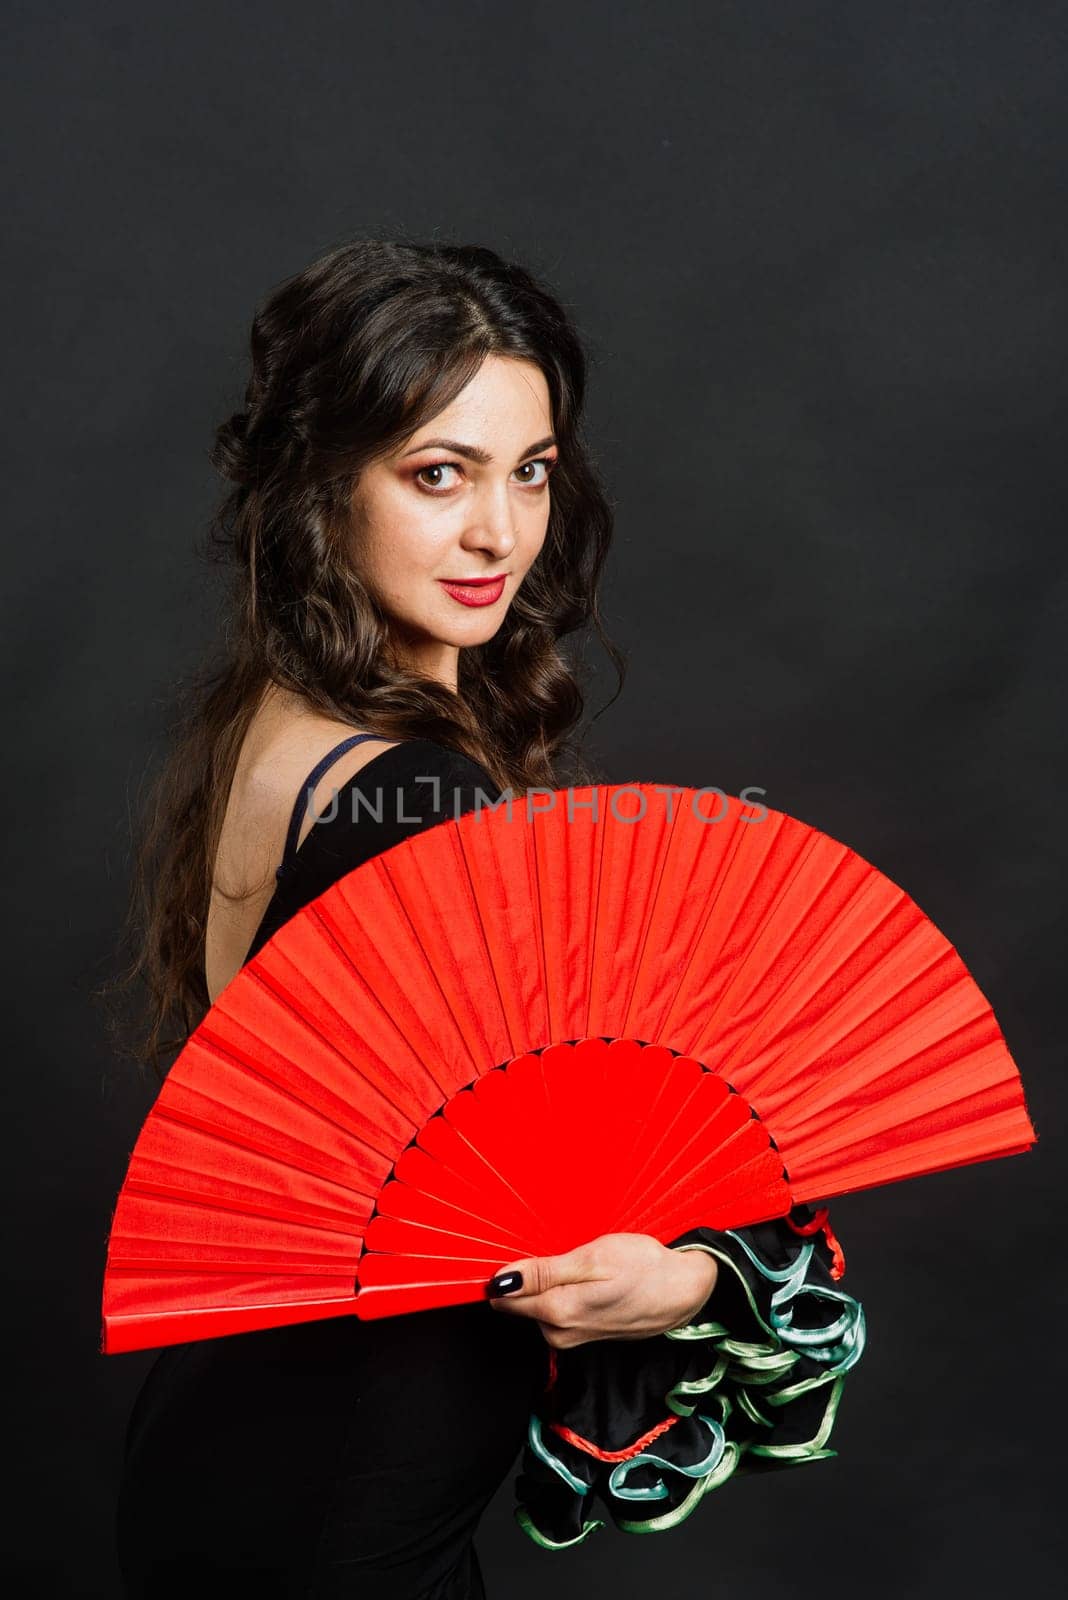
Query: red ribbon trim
[[613, 1455], [592, 1449], [820, 1224]]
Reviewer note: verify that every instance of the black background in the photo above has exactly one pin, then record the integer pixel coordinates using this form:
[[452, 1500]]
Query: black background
[[819, 254]]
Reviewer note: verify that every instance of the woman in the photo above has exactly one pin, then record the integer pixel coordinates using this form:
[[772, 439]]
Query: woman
[[415, 525]]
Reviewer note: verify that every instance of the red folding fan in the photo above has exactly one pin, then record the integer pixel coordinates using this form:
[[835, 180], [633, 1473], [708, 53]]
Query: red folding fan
[[630, 1010]]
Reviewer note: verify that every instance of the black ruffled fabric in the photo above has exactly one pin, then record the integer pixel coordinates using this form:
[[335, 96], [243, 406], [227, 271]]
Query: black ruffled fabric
[[650, 1426]]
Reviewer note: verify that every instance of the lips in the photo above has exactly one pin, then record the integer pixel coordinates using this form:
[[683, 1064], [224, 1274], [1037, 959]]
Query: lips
[[475, 591], [474, 583]]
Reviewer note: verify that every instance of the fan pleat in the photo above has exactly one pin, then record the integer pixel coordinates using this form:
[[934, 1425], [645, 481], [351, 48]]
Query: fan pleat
[[633, 859], [298, 1060], [741, 898], [173, 1223], [395, 1284], [863, 1082], [879, 1162], [566, 844], [328, 994], [697, 856], [754, 1002], [839, 1019], [460, 989], [228, 1173], [184, 1308], [868, 1075], [310, 1144], [498, 858]]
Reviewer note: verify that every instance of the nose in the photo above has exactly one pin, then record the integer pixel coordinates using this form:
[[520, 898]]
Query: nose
[[490, 525]]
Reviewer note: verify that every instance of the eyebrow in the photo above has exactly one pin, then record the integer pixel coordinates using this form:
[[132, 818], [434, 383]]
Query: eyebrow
[[472, 451]]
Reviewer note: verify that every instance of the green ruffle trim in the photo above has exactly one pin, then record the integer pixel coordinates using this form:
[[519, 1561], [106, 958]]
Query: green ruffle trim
[[742, 1366], [738, 1401]]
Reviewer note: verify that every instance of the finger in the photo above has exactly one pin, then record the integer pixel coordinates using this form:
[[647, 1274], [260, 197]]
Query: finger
[[538, 1274], [547, 1306]]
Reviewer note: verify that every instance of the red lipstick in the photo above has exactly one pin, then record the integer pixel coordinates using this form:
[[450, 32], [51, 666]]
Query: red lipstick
[[475, 591]]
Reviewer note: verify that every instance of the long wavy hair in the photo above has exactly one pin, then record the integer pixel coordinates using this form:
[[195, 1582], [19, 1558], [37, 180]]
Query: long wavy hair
[[348, 359]]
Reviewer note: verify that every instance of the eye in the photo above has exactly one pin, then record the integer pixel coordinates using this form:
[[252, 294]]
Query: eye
[[436, 466], [548, 462]]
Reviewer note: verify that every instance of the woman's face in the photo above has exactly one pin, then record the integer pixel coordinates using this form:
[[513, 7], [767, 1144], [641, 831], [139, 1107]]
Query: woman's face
[[474, 506]]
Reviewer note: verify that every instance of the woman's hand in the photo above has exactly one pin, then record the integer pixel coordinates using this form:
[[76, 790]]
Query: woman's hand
[[619, 1286]]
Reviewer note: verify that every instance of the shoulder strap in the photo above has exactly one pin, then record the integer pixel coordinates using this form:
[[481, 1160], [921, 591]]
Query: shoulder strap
[[308, 788]]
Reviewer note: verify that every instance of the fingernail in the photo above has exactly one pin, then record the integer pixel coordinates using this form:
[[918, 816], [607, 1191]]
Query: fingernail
[[505, 1283]]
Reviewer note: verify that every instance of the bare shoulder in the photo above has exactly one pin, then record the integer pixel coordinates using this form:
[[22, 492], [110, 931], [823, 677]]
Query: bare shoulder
[[284, 743]]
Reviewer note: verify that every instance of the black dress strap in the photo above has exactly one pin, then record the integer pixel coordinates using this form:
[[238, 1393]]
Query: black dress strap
[[308, 788]]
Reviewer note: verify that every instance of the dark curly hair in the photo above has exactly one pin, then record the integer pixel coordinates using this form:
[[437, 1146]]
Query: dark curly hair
[[348, 359]]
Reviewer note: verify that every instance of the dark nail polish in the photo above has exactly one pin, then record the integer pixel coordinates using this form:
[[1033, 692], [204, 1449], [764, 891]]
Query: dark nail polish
[[505, 1283]]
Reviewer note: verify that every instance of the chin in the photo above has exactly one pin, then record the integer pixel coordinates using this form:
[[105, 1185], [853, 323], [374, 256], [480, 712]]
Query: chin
[[479, 631], [460, 633], [475, 627]]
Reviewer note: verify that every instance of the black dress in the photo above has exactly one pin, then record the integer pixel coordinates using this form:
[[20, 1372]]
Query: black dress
[[355, 1458]]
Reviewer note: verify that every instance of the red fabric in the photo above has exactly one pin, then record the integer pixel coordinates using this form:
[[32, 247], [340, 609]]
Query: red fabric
[[410, 1083]]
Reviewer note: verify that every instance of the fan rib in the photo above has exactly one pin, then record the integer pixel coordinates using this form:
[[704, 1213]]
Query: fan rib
[[651, 1160], [214, 1046], [505, 1010], [400, 1090], [501, 1179], [850, 1075], [220, 1137], [430, 969], [807, 854], [594, 917], [723, 868], [391, 1207], [737, 864], [796, 975], [915, 1026], [301, 1212], [652, 905]]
